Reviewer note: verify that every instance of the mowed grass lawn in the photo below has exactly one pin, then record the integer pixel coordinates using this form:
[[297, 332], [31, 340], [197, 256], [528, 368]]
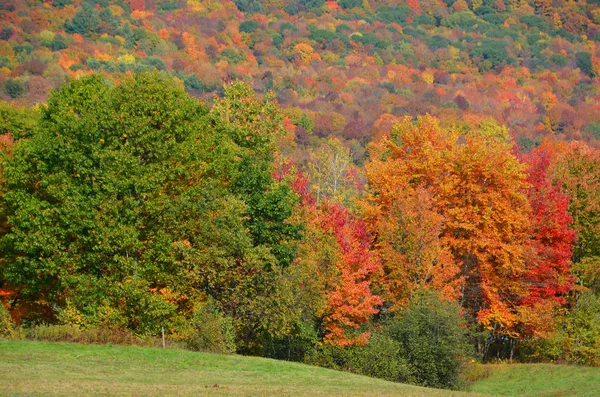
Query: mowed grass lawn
[[62, 369], [540, 380]]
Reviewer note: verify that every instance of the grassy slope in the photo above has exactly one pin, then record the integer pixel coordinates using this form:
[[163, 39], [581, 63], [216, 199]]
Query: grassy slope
[[540, 380], [61, 369]]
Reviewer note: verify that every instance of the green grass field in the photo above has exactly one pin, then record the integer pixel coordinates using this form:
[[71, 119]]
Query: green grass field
[[540, 380], [62, 369]]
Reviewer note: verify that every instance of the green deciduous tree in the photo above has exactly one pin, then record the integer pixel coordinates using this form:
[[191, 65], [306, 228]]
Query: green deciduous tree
[[85, 192], [132, 204], [433, 339], [423, 344], [254, 126]]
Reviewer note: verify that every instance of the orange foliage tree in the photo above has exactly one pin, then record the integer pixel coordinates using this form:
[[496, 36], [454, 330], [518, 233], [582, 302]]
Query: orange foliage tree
[[350, 301], [551, 239], [467, 191], [339, 267], [401, 210]]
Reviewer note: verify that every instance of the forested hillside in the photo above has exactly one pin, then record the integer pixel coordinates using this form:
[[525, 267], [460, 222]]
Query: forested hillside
[[339, 68], [341, 183]]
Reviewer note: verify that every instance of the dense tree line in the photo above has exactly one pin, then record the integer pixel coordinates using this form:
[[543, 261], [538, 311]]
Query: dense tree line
[[135, 206], [131, 205]]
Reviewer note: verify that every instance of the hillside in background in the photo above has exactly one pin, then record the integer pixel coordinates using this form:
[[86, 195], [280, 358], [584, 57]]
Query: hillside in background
[[345, 68]]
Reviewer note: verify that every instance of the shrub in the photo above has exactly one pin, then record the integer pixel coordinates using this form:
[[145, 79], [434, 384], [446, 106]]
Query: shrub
[[91, 335], [576, 338], [211, 331], [425, 344], [474, 371], [7, 326], [69, 315], [432, 338], [297, 346], [381, 358]]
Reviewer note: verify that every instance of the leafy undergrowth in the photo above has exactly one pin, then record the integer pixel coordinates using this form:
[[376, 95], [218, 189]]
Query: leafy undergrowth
[[539, 380], [64, 369]]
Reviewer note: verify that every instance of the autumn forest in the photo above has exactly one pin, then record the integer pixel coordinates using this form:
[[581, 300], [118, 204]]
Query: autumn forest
[[388, 187]]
